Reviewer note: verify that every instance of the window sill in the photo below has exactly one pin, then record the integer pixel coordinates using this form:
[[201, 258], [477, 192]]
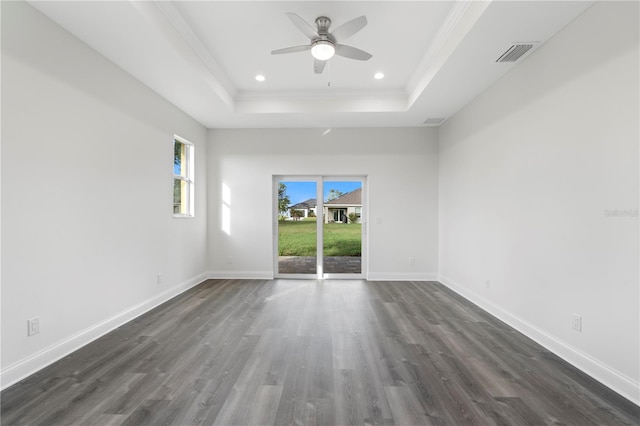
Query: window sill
[[183, 216]]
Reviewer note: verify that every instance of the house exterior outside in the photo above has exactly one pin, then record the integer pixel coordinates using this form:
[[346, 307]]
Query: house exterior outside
[[305, 207], [338, 209]]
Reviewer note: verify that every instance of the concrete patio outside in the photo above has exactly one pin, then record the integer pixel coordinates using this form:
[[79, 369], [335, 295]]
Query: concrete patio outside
[[331, 265]]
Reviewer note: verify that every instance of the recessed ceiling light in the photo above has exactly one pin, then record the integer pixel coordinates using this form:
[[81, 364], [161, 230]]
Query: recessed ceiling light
[[260, 77], [378, 76]]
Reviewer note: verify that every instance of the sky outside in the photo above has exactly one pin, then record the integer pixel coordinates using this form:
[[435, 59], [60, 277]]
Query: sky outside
[[302, 191]]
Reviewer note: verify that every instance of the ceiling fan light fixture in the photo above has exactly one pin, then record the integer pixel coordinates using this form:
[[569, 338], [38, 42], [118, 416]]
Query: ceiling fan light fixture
[[323, 50]]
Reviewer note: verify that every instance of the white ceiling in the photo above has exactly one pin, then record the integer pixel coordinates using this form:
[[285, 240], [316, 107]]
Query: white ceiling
[[203, 56]]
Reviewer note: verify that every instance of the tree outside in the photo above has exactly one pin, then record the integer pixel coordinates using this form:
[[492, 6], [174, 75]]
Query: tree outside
[[296, 214], [283, 200], [333, 194]]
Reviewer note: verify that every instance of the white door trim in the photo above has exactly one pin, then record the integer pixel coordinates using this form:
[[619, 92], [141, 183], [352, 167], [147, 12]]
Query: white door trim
[[320, 181]]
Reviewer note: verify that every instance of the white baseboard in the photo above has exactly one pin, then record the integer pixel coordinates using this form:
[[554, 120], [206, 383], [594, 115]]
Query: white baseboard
[[610, 377], [39, 360], [373, 276], [240, 275], [402, 276]]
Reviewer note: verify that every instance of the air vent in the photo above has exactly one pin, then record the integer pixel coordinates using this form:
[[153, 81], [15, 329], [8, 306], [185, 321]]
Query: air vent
[[515, 52], [434, 121]]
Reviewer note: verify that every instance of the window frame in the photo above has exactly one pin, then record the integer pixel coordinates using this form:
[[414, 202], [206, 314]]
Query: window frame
[[187, 168]]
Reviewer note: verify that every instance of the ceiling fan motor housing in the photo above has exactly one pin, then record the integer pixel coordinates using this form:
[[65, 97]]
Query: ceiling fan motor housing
[[323, 23], [323, 47]]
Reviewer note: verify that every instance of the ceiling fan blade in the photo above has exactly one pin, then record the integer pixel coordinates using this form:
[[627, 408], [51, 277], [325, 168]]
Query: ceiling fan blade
[[352, 53], [303, 26], [318, 66], [291, 49], [348, 29]]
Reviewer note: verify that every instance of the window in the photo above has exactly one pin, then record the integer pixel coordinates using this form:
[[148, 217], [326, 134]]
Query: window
[[182, 177]]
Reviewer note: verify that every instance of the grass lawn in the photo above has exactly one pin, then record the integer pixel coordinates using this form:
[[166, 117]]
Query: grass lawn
[[298, 238]]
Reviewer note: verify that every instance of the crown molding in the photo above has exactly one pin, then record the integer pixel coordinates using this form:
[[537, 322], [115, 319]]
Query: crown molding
[[461, 19], [172, 26], [322, 101]]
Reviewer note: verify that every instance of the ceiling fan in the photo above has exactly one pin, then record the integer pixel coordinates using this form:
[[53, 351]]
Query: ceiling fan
[[325, 44]]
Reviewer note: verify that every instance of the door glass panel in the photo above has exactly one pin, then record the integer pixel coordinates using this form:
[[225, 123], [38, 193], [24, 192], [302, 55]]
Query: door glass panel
[[297, 227], [342, 227]]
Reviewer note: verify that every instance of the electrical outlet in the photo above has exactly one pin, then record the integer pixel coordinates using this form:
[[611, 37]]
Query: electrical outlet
[[487, 284], [33, 326], [412, 261], [159, 278], [577, 323]]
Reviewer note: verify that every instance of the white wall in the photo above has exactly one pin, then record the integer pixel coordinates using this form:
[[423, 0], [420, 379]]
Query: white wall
[[86, 194], [528, 172], [401, 169]]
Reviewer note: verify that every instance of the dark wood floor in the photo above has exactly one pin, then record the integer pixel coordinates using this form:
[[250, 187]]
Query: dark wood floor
[[232, 352]]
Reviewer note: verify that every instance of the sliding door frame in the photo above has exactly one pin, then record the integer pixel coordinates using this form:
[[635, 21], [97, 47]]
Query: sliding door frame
[[363, 221], [320, 180]]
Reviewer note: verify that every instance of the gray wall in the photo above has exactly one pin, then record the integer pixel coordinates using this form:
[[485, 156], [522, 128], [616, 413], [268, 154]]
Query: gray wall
[[530, 173]]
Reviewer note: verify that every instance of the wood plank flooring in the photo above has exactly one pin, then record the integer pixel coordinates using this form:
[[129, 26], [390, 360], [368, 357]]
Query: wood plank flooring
[[289, 352]]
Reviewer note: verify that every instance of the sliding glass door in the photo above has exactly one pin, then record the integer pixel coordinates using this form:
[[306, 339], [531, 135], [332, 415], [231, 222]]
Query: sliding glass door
[[297, 230], [319, 226], [342, 228]]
